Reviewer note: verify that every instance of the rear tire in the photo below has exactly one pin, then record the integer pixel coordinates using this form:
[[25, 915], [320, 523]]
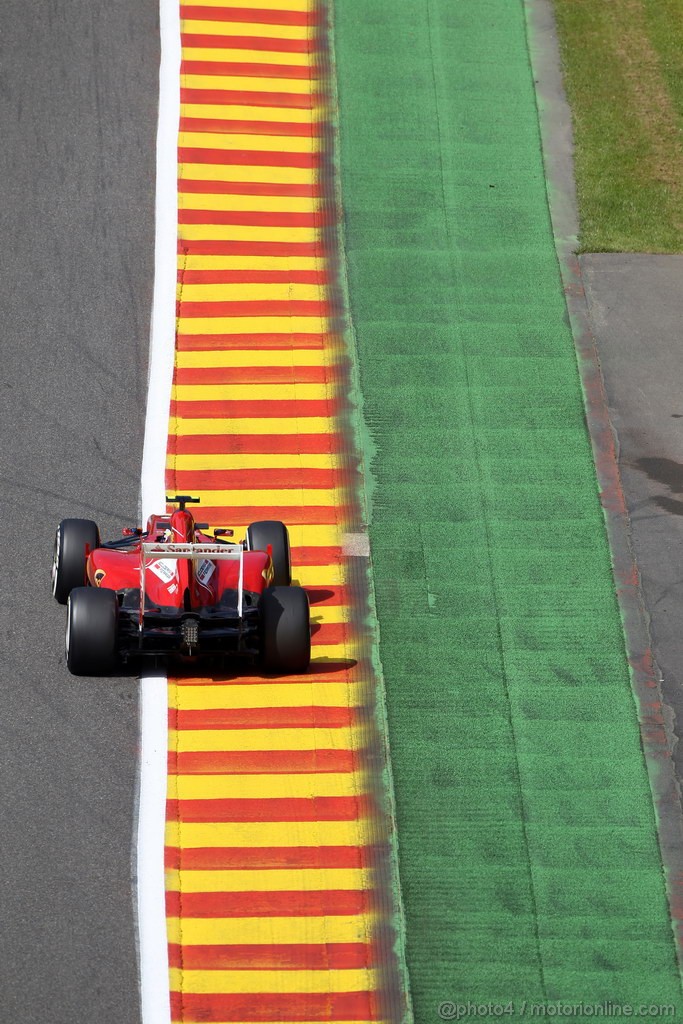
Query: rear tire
[[270, 531], [91, 631], [73, 539], [285, 629]]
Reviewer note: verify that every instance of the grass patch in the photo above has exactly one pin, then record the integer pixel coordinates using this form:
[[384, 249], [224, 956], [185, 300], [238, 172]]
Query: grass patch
[[623, 66]]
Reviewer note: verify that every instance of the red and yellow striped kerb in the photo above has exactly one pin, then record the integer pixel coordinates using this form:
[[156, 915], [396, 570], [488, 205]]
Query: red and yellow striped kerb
[[279, 885]]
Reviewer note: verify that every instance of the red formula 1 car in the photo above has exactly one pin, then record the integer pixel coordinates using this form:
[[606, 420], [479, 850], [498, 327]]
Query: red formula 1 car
[[173, 590]]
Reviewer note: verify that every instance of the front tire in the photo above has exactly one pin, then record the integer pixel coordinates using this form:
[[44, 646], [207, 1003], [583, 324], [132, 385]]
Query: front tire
[[91, 631], [285, 629], [273, 533], [73, 540]]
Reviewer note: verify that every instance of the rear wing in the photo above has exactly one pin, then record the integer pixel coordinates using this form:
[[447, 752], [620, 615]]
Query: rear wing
[[214, 552], [195, 552]]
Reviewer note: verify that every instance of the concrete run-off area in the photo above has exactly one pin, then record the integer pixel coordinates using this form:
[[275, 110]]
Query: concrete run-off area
[[635, 304]]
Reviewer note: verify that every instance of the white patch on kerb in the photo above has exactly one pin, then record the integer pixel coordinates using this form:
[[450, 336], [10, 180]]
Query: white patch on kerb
[[356, 544]]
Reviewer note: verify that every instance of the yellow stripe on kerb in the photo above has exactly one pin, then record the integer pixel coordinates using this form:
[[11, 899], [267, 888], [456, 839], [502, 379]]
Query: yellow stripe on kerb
[[246, 29], [206, 740], [244, 982], [248, 83], [199, 462], [252, 324], [220, 54], [307, 425], [280, 291], [249, 392], [262, 143], [193, 931], [247, 172], [238, 112], [246, 233], [304, 785], [239, 203], [280, 263], [294, 880], [198, 835], [186, 359], [203, 698], [258, 5]]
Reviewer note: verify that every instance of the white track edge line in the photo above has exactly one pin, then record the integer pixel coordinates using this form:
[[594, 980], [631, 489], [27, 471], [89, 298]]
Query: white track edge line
[[151, 897]]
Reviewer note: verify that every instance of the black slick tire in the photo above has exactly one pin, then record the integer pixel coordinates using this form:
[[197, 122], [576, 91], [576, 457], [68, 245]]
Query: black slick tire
[[91, 631], [285, 629], [74, 539], [273, 533]]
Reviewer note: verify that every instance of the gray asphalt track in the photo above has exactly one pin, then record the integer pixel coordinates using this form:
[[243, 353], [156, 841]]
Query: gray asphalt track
[[78, 98]]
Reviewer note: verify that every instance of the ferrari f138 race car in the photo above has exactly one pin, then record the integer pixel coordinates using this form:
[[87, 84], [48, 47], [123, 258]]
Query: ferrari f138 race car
[[173, 590]]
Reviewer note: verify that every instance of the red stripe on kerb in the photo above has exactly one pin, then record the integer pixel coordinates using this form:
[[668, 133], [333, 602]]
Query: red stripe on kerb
[[274, 1006], [230, 248], [265, 307], [250, 218], [260, 762], [329, 633], [253, 342], [274, 45], [252, 410], [253, 444], [260, 718], [248, 188], [267, 857], [247, 98], [255, 17], [299, 903], [253, 277], [228, 126], [328, 956], [316, 556], [238, 69], [292, 809], [252, 375], [248, 158]]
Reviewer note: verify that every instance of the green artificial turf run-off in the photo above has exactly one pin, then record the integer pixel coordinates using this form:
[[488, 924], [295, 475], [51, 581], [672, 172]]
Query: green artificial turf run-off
[[528, 852]]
